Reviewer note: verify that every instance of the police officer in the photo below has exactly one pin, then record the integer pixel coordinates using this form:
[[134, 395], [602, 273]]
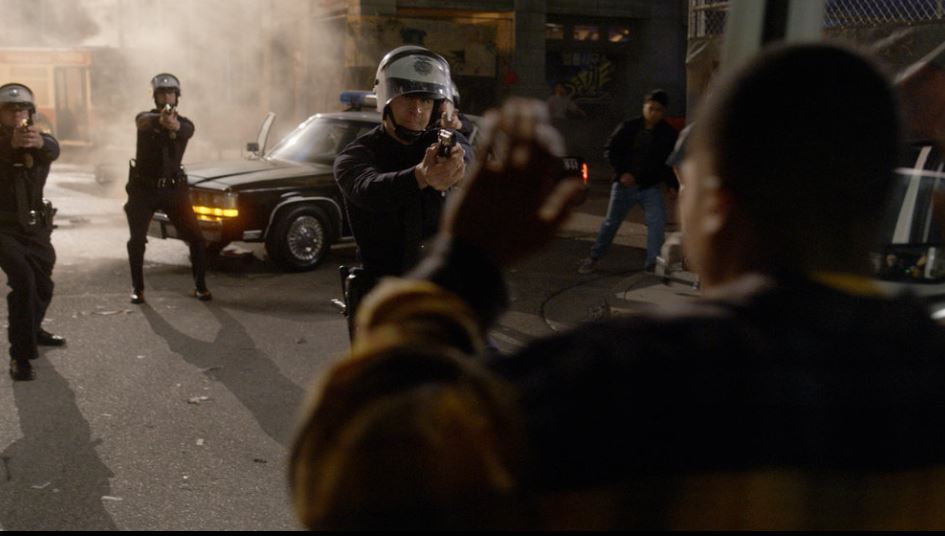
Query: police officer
[[392, 178], [26, 254], [453, 118], [156, 180]]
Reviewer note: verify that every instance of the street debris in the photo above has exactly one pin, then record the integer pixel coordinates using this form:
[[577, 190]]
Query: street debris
[[41, 486], [259, 460], [112, 312], [198, 399], [200, 442], [301, 340], [110, 498]]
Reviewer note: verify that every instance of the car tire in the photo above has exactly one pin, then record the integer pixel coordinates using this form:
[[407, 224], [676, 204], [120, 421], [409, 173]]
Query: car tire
[[299, 238]]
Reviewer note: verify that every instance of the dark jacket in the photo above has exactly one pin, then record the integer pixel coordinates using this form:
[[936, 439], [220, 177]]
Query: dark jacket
[[649, 169], [389, 214], [160, 151], [10, 159], [781, 373]]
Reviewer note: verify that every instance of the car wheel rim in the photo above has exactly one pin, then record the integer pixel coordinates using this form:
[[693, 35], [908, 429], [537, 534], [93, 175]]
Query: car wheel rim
[[305, 238]]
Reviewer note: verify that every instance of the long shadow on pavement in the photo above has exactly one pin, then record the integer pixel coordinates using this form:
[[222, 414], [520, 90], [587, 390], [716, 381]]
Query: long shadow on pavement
[[52, 478], [233, 359]]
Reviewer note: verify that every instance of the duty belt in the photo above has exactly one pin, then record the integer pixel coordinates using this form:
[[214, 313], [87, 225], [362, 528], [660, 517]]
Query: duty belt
[[31, 218], [166, 182]]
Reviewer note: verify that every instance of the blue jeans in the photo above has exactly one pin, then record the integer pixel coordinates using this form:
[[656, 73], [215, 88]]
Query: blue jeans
[[622, 199]]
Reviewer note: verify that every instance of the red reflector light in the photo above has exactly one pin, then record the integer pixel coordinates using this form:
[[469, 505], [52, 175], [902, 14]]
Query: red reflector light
[[584, 173]]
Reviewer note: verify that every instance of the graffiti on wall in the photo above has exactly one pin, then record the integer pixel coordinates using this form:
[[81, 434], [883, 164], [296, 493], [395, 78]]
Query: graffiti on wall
[[468, 47], [587, 75]]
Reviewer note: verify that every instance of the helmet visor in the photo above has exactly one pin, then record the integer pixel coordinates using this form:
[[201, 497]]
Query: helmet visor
[[402, 86]]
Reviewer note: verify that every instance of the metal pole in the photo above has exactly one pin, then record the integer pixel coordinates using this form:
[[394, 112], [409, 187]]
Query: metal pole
[[746, 22]]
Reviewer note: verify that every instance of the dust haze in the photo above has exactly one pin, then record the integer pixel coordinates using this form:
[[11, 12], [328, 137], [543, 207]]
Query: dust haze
[[236, 59]]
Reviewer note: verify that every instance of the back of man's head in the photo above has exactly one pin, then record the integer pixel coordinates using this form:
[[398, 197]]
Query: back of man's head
[[804, 140], [657, 95]]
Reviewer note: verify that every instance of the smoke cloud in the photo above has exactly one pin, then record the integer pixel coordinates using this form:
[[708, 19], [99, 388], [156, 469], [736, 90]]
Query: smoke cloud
[[236, 59]]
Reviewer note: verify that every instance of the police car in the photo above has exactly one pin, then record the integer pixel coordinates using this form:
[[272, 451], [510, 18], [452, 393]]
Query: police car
[[911, 254], [286, 197]]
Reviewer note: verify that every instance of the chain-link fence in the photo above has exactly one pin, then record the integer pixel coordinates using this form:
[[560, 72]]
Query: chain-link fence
[[707, 17]]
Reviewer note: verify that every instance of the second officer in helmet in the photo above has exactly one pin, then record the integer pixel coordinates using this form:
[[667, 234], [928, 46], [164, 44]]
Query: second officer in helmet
[[27, 256], [156, 181], [393, 181]]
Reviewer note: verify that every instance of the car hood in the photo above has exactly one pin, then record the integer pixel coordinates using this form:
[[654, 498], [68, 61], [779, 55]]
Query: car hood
[[237, 173]]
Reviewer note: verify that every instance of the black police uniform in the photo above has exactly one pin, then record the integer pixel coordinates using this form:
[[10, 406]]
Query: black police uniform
[[157, 181], [26, 253], [389, 214]]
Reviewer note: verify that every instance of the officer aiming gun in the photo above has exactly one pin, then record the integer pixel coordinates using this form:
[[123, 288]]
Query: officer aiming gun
[[25, 224]]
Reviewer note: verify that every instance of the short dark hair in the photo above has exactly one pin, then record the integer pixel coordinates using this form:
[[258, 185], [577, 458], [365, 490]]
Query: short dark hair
[[658, 95], [805, 139]]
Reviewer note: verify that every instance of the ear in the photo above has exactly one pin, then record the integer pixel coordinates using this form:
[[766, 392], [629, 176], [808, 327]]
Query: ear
[[717, 207]]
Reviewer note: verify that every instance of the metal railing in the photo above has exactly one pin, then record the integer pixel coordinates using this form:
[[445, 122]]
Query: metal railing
[[707, 17]]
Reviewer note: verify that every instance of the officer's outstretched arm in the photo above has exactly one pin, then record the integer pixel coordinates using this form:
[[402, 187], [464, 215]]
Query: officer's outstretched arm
[[186, 128], [370, 189], [49, 152], [147, 120]]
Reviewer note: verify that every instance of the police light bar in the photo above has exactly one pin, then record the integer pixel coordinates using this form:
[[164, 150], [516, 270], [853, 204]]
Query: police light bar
[[359, 99]]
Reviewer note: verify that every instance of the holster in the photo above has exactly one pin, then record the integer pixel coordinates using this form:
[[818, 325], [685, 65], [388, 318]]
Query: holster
[[49, 214], [356, 283]]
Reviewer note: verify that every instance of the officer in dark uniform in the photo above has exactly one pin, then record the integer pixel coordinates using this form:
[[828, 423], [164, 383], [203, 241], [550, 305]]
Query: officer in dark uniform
[[156, 180], [394, 182], [26, 254]]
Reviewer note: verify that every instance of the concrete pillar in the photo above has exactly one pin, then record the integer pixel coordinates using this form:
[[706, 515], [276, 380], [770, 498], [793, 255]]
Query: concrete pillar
[[528, 60]]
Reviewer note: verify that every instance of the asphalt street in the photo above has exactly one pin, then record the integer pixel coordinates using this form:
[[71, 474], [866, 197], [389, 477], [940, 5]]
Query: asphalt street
[[177, 415]]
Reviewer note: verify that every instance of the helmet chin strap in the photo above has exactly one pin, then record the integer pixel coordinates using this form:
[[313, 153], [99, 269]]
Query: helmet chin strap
[[408, 135]]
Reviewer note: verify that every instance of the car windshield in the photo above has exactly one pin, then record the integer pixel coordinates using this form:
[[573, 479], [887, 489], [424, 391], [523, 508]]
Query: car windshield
[[912, 238], [318, 140]]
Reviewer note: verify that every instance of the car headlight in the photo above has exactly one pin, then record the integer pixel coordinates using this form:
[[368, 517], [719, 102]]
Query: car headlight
[[214, 206]]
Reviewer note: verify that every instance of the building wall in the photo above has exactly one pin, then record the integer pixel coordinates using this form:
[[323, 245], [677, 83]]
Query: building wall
[[609, 79]]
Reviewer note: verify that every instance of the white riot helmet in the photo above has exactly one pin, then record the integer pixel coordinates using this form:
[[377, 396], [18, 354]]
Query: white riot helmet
[[18, 95], [412, 70], [165, 81], [454, 93]]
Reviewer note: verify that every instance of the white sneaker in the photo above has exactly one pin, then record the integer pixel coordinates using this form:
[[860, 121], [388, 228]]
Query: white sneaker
[[587, 266]]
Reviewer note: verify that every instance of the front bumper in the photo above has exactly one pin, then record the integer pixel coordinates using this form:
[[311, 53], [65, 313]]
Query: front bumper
[[161, 227]]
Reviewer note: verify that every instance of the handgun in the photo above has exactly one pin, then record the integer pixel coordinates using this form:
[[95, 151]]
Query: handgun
[[445, 141]]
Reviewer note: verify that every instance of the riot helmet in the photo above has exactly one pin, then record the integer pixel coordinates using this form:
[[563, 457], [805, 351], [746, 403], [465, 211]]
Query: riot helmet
[[411, 70], [454, 94], [164, 81], [17, 95]]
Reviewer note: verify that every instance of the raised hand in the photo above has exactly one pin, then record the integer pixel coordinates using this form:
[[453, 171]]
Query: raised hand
[[514, 203]]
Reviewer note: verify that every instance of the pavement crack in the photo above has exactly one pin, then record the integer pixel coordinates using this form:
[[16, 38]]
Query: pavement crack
[[8, 475]]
